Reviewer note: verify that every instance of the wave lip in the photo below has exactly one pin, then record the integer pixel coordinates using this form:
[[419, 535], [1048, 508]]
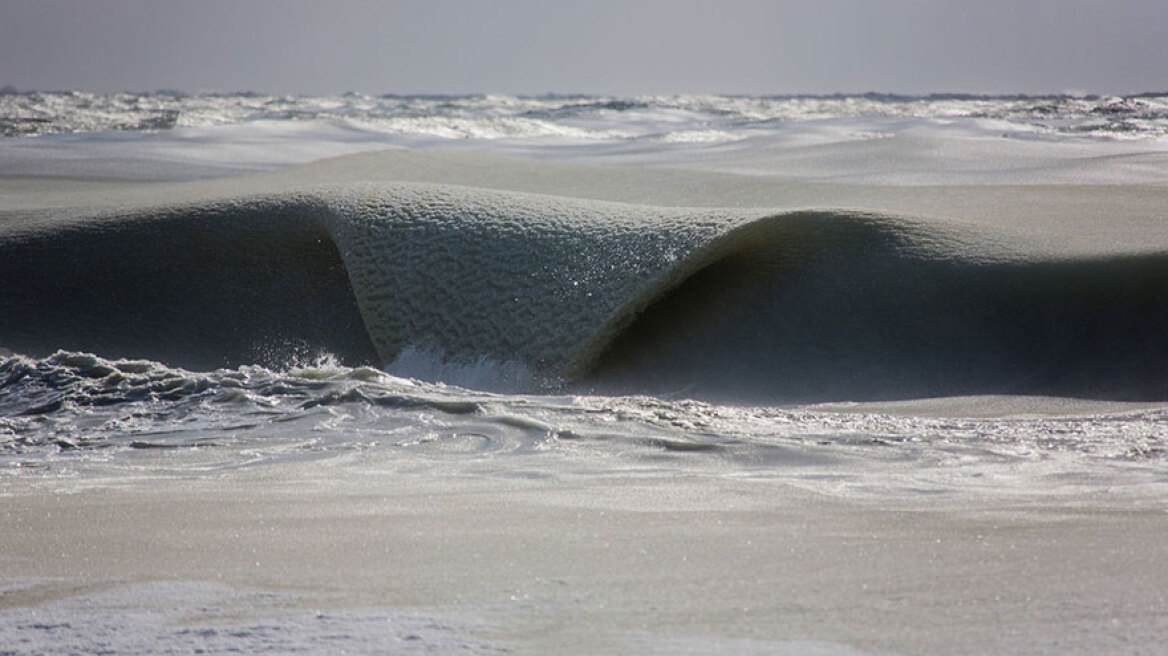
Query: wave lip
[[514, 277]]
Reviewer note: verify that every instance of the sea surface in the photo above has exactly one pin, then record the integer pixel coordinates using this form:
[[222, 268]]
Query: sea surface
[[676, 118], [322, 373], [634, 282]]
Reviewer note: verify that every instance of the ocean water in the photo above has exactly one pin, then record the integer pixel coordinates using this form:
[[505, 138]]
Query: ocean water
[[877, 299], [678, 118], [727, 277]]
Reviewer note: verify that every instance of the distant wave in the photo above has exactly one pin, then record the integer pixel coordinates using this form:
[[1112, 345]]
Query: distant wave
[[744, 305], [585, 117]]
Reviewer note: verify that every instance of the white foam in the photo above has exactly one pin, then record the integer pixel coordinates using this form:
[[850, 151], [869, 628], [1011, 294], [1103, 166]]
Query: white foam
[[482, 373], [485, 129]]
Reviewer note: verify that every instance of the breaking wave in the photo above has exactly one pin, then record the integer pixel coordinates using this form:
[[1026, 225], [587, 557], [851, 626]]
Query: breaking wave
[[549, 292]]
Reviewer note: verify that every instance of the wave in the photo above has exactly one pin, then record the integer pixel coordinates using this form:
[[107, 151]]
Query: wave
[[731, 305], [31, 113]]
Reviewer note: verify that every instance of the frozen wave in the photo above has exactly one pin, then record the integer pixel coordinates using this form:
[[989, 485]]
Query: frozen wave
[[753, 306]]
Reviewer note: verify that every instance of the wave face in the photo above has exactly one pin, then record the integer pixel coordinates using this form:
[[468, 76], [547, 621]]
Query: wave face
[[206, 286], [738, 305]]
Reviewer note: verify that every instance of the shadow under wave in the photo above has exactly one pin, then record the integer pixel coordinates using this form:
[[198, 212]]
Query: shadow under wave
[[821, 308], [202, 288]]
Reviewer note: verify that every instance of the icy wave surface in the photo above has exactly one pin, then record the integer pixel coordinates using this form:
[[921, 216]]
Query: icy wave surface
[[741, 305]]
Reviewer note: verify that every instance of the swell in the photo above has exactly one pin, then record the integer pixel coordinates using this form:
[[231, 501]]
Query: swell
[[731, 305]]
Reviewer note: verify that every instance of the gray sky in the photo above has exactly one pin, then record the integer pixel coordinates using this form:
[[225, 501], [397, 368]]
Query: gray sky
[[592, 46]]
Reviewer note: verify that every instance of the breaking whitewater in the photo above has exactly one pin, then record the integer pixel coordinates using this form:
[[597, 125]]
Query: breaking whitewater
[[825, 311]]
